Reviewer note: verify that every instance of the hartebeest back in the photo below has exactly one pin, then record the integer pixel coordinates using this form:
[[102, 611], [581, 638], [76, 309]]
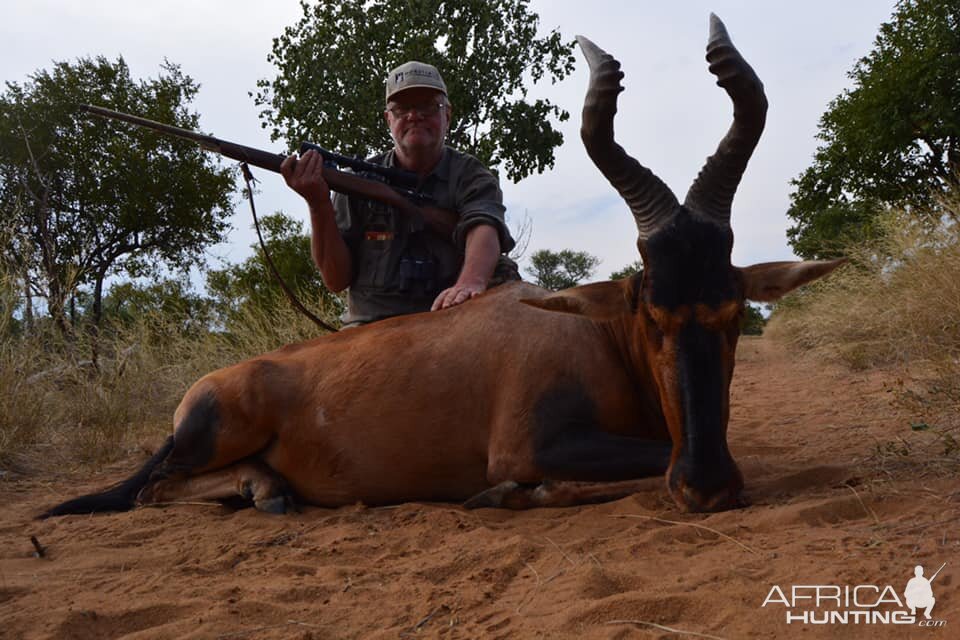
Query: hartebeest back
[[519, 397]]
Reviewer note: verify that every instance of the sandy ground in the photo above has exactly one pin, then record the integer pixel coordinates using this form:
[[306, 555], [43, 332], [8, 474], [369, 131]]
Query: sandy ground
[[834, 502]]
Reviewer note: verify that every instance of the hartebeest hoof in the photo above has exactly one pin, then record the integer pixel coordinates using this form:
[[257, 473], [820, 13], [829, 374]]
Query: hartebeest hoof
[[277, 505], [494, 497]]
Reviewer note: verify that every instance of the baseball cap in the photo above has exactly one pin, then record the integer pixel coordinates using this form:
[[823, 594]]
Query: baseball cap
[[414, 74]]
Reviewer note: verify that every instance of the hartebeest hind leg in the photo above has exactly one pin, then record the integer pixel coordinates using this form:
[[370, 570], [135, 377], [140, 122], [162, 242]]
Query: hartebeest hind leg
[[213, 457], [251, 479], [213, 453]]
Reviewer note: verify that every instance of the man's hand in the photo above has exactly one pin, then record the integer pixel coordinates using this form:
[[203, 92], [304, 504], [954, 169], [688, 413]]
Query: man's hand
[[457, 294], [330, 253], [482, 251], [305, 176]]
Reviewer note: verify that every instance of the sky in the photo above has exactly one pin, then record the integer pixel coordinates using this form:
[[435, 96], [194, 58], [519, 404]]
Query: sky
[[671, 115]]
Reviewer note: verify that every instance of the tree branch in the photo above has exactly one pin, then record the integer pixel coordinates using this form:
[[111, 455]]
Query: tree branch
[[33, 160]]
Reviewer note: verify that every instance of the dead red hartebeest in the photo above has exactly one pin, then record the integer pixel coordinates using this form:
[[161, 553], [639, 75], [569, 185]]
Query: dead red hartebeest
[[520, 397]]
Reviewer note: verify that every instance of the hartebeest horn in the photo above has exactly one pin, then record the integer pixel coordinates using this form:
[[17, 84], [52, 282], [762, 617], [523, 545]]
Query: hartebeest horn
[[650, 200], [712, 192]]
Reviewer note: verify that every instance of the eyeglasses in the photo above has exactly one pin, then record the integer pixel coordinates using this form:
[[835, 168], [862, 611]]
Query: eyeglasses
[[422, 110]]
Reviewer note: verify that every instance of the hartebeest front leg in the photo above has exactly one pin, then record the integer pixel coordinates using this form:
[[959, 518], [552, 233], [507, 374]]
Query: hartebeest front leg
[[513, 495], [597, 456], [575, 465]]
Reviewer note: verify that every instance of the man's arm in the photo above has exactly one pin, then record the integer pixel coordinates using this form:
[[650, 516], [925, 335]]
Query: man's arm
[[480, 259], [329, 251]]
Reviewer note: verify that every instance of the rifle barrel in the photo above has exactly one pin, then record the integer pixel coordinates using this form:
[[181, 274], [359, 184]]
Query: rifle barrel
[[938, 572], [438, 220], [250, 155]]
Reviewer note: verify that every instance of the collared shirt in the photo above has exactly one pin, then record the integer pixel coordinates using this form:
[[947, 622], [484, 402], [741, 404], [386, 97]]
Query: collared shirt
[[398, 269]]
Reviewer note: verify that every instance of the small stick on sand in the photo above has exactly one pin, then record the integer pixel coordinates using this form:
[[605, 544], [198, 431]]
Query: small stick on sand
[[687, 524], [41, 551], [154, 505], [868, 510], [247, 632], [532, 589], [667, 629], [441, 609], [530, 566], [555, 575], [562, 552]]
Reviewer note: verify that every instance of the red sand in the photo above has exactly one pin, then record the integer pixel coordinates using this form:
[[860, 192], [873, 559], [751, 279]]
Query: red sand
[[824, 511]]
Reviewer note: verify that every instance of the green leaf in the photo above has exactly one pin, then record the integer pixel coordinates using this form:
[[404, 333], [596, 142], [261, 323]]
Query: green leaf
[[561, 270], [84, 198], [892, 140], [331, 67]]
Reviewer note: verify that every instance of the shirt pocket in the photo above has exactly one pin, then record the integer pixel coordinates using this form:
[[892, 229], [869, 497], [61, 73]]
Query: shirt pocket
[[380, 247]]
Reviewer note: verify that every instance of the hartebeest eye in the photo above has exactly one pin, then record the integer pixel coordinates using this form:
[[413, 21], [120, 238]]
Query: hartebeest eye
[[721, 317], [668, 321]]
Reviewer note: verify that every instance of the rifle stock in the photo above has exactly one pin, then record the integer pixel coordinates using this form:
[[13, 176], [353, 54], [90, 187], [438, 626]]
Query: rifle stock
[[436, 219]]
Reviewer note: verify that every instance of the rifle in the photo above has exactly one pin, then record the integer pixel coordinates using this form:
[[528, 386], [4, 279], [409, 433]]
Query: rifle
[[934, 577], [396, 191]]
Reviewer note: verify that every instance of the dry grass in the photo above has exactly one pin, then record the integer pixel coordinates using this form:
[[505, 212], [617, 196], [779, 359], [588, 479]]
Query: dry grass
[[895, 306], [897, 301], [58, 410]]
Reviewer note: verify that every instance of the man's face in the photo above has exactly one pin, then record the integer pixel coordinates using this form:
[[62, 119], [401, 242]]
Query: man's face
[[418, 120]]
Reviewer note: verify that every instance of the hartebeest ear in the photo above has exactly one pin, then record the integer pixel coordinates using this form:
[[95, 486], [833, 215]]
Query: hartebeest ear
[[600, 301], [769, 281]]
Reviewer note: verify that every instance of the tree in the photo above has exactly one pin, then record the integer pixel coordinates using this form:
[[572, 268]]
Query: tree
[[83, 198], [168, 305], [631, 269], [893, 140], [753, 321], [333, 62], [9, 304], [250, 285], [561, 270]]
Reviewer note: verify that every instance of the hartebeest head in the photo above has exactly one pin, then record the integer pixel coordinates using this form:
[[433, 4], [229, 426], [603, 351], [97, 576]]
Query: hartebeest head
[[689, 301]]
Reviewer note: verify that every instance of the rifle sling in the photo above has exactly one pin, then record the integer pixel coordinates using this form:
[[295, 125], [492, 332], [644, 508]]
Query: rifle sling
[[248, 176]]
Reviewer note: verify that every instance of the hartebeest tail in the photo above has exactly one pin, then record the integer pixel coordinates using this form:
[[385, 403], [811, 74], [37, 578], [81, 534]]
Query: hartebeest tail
[[120, 497]]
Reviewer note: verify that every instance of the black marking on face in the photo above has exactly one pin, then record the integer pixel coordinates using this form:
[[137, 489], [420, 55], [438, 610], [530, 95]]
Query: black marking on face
[[689, 263], [702, 377], [693, 297], [568, 443]]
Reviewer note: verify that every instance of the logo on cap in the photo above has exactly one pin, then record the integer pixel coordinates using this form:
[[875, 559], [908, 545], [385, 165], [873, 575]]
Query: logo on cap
[[412, 75]]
